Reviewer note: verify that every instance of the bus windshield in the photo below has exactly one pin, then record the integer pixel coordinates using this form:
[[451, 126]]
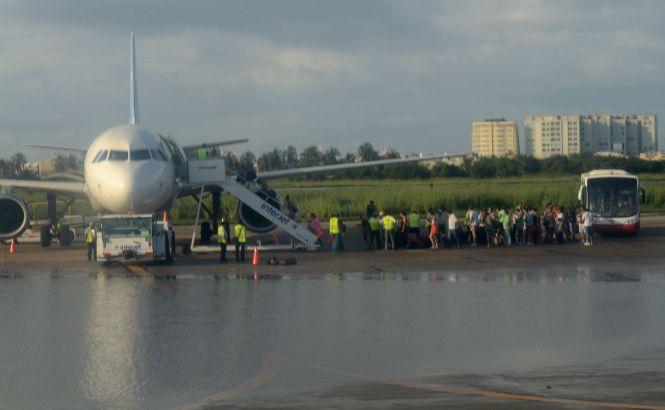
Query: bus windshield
[[612, 197], [139, 227]]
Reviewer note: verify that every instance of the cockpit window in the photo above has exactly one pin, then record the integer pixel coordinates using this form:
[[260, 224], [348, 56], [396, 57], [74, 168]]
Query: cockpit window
[[140, 155], [101, 156], [118, 155], [158, 155]]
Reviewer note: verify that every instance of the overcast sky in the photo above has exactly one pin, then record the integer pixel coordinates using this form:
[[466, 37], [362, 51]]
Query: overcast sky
[[407, 74]]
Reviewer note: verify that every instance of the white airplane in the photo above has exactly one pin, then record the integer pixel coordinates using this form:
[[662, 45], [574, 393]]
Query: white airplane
[[129, 169]]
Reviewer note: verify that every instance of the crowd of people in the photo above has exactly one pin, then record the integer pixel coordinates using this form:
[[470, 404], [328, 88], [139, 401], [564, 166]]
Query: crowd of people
[[434, 229]]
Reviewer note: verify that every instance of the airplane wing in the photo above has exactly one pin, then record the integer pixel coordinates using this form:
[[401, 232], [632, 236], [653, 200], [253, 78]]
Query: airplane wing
[[215, 144], [60, 187], [337, 167], [58, 148]]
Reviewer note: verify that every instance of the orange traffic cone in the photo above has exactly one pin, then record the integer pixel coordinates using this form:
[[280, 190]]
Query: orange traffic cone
[[165, 217], [12, 247], [255, 258]]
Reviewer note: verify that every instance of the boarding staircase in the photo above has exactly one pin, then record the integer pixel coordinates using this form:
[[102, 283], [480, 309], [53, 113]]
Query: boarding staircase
[[295, 229], [212, 173]]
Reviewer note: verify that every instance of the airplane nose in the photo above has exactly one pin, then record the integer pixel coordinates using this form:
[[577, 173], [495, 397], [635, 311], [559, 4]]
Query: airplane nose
[[146, 189], [124, 194], [137, 189]]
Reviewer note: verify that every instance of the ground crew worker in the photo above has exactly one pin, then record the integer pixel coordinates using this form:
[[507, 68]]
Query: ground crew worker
[[388, 223], [414, 229], [172, 233], [201, 153], [58, 228], [223, 239], [375, 231], [90, 241], [335, 231], [240, 241]]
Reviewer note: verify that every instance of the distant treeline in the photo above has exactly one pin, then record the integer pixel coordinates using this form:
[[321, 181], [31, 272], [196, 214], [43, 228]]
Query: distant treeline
[[480, 168], [15, 166]]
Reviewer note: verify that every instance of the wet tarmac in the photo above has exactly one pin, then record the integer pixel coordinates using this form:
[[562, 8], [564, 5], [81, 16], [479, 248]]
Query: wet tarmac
[[620, 252], [583, 336]]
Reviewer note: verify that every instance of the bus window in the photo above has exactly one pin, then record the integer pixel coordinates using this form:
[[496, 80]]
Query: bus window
[[612, 197]]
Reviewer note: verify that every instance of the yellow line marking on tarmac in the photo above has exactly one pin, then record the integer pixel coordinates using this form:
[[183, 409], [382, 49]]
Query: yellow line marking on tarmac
[[138, 270], [269, 370], [470, 391], [142, 272]]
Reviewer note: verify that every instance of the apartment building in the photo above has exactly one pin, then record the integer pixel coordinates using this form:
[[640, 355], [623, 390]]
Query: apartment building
[[628, 134], [495, 137]]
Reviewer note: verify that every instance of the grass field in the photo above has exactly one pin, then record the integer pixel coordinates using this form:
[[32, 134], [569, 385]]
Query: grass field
[[350, 197]]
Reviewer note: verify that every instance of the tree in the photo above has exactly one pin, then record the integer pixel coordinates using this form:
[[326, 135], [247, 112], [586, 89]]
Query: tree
[[391, 153], [330, 156], [73, 163], [18, 162], [445, 170], [60, 164], [311, 156], [232, 162], [290, 157], [271, 160], [366, 152], [6, 169], [531, 165], [247, 159]]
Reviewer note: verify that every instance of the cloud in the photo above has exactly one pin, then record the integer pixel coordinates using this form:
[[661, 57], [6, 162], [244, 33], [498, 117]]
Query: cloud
[[413, 75]]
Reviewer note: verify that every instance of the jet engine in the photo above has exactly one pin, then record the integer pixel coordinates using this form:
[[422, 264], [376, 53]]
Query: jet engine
[[14, 216], [254, 221]]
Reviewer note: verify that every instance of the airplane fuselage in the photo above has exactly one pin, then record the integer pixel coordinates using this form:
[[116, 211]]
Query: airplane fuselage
[[129, 169]]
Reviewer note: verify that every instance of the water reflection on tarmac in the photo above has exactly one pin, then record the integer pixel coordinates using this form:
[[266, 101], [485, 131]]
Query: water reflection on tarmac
[[82, 341]]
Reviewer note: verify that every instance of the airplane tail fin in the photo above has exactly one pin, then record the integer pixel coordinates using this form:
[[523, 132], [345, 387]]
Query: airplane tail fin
[[133, 97]]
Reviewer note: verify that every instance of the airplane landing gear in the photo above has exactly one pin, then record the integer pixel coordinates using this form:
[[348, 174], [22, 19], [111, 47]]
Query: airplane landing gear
[[65, 236], [45, 236]]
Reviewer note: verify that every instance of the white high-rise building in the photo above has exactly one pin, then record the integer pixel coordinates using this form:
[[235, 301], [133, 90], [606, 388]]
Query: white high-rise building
[[495, 137], [629, 134]]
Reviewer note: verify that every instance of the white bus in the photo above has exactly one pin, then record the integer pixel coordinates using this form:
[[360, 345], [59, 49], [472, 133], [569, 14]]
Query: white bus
[[613, 196]]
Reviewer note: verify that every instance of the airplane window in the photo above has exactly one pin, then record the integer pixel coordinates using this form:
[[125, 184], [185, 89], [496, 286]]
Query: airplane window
[[118, 155], [158, 155], [101, 156], [140, 155]]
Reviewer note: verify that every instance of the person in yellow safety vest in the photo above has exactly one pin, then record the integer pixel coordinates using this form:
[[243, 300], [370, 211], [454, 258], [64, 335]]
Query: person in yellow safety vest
[[388, 223], [414, 222], [374, 231], [90, 242], [240, 241], [223, 237], [414, 229], [335, 231], [201, 153]]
